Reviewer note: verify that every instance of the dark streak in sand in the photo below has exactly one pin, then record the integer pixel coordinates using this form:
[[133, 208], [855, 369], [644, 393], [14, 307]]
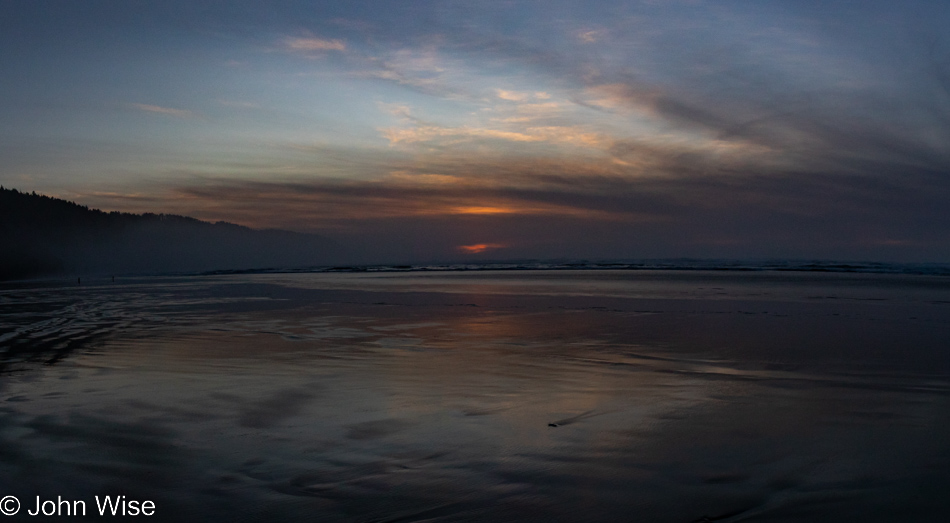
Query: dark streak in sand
[[575, 419]]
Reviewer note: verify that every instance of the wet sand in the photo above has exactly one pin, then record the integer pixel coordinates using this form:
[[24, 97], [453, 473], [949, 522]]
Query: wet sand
[[673, 396]]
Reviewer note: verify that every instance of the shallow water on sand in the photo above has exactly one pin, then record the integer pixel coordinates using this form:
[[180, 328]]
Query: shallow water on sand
[[496, 396]]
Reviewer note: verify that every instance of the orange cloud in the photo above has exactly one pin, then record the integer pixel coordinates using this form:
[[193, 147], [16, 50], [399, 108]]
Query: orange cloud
[[521, 96], [480, 247], [454, 135], [479, 209]]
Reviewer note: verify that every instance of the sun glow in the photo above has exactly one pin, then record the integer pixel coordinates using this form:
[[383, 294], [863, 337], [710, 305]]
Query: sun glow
[[483, 210], [480, 247]]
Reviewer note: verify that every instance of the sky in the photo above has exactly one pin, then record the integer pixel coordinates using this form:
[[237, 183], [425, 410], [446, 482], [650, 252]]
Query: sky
[[444, 130]]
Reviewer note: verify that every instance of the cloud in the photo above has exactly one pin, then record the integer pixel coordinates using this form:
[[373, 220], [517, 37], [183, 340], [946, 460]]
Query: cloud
[[426, 60], [310, 45], [425, 179], [429, 84], [622, 96], [522, 96], [545, 108], [118, 196], [445, 136], [423, 70], [178, 113], [591, 36], [513, 96], [338, 201], [402, 111]]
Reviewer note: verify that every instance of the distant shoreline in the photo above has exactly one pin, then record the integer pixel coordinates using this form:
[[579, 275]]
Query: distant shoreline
[[933, 269], [688, 265]]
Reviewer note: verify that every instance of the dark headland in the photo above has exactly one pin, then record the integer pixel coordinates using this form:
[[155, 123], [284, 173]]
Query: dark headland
[[44, 236]]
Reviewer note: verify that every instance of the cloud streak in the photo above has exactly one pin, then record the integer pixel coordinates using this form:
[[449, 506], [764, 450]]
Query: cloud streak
[[309, 45], [177, 113], [437, 135]]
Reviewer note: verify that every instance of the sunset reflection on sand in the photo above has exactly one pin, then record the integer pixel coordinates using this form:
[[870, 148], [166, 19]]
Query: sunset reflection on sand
[[290, 397]]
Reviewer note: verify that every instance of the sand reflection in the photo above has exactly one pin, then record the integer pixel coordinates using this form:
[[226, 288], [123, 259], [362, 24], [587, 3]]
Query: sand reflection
[[224, 400]]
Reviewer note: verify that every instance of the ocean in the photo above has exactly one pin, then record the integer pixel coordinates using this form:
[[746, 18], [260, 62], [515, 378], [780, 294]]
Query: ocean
[[687, 393]]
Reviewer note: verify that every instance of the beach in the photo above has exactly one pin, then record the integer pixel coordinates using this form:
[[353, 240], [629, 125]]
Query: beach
[[521, 395]]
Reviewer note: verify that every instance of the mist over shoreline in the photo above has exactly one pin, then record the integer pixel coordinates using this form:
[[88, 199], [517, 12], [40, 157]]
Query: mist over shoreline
[[44, 236]]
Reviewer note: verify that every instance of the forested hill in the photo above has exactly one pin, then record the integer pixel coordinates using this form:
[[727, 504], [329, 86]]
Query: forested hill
[[40, 235]]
